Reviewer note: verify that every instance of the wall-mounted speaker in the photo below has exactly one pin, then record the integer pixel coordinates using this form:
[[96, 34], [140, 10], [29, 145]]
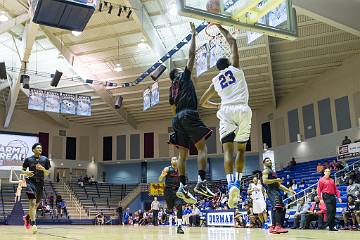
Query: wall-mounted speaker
[[118, 102], [56, 79], [25, 80], [157, 73], [3, 71]]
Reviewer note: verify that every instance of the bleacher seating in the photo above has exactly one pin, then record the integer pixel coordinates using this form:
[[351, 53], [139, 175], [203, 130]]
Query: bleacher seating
[[307, 172], [101, 196], [7, 194]]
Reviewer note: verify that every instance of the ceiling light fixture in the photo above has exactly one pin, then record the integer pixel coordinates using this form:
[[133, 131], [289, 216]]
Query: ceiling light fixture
[[173, 9], [118, 67], [298, 138], [142, 44], [3, 17], [76, 33]]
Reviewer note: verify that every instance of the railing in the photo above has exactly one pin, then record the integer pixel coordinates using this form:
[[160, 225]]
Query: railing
[[73, 199], [353, 165], [346, 169], [294, 198]]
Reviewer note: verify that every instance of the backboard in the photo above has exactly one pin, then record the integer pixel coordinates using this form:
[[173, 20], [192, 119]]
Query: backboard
[[275, 18]]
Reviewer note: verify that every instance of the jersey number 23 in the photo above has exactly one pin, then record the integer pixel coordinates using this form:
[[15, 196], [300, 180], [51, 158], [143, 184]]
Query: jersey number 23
[[227, 79]]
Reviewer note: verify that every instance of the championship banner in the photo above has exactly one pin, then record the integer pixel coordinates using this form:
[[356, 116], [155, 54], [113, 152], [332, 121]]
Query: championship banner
[[157, 189], [155, 95], [83, 107], [147, 99], [68, 103], [349, 151], [36, 99], [201, 60], [52, 101], [220, 218]]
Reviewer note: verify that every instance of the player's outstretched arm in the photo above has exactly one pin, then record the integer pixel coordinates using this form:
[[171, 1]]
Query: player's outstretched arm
[[163, 174], [233, 45], [285, 189], [192, 50], [205, 98]]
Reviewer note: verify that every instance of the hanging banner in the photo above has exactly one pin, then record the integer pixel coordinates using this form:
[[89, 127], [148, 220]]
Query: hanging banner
[[36, 99], [147, 99], [68, 103], [83, 107], [201, 60], [155, 95], [52, 101], [348, 151]]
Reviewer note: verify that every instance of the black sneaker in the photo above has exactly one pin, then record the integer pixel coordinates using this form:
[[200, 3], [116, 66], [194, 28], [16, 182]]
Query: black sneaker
[[179, 230], [333, 230], [202, 189], [184, 194]]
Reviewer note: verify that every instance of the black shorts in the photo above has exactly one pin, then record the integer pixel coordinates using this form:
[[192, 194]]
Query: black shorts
[[171, 199], [276, 198], [188, 128], [34, 190]]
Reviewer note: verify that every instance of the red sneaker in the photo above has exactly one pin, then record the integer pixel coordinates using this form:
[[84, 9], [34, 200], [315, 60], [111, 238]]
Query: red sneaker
[[280, 229], [272, 230], [27, 221]]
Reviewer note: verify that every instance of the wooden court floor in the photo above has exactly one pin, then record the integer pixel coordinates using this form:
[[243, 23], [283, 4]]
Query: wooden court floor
[[163, 233]]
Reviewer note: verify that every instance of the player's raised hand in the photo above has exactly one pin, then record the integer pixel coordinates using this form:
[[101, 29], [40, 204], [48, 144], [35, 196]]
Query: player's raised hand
[[28, 173], [193, 28]]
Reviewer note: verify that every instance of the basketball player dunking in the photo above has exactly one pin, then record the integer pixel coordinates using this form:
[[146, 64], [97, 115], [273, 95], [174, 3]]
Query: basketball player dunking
[[172, 184], [187, 125], [38, 166], [273, 186], [234, 114]]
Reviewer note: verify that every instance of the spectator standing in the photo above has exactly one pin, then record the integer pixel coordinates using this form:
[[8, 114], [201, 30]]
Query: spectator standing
[[119, 211], [327, 191], [155, 207], [292, 164], [346, 141], [127, 216]]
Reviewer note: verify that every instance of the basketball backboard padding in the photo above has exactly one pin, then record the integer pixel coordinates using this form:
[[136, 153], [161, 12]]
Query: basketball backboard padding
[[232, 14]]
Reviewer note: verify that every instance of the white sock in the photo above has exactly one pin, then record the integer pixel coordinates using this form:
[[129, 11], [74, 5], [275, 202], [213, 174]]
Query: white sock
[[230, 178], [238, 176], [199, 178], [179, 222]]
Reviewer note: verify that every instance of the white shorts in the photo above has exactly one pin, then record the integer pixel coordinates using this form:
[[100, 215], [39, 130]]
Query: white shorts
[[259, 205], [235, 119]]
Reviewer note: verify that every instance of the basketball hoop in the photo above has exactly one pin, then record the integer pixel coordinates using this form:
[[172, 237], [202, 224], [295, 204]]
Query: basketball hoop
[[20, 180]]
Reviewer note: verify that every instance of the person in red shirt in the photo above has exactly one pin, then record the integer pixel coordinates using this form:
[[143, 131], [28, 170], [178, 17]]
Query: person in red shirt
[[327, 193], [317, 213]]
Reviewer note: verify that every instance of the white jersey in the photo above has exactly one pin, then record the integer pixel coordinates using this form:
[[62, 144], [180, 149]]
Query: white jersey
[[230, 84], [257, 191]]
